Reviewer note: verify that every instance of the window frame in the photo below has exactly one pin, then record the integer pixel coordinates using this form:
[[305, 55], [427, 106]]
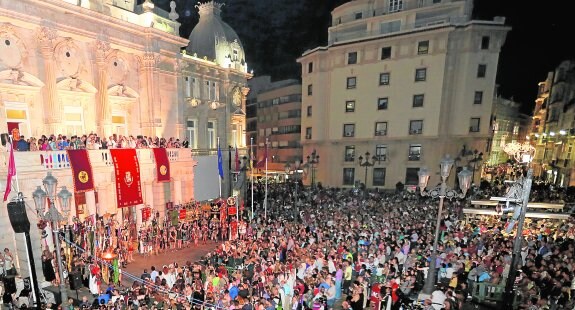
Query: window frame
[[414, 180], [346, 125], [349, 106], [416, 99], [423, 47], [349, 153], [380, 132], [309, 89], [379, 154], [347, 181], [481, 71], [386, 55], [380, 180], [310, 67], [474, 128], [381, 106], [476, 95], [485, 42], [309, 111], [384, 78], [352, 60], [414, 152], [349, 85], [415, 131], [420, 77], [308, 133]]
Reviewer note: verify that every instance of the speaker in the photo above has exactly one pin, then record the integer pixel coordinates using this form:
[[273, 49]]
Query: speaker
[[18, 217], [5, 138], [75, 281], [9, 284]]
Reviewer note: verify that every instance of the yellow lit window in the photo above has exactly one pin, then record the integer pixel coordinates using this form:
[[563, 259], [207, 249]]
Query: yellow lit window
[[118, 120], [15, 114]]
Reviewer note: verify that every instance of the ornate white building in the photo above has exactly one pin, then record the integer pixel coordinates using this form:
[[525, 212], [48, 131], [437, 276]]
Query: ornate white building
[[113, 67]]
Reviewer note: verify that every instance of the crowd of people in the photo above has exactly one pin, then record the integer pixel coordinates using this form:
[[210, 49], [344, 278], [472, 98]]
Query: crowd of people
[[93, 142], [333, 245]]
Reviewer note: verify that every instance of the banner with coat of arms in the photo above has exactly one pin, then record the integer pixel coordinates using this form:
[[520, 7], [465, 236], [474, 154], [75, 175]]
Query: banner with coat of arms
[[162, 164], [81, 170], [128, 184]]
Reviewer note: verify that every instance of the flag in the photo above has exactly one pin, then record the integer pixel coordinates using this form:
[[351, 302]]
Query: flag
[[11, 170], [262, 162], [220, 162], [237, 159]]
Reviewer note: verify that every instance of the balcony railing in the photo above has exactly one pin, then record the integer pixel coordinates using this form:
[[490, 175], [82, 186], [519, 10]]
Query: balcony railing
[[56, 160], [414, 156]]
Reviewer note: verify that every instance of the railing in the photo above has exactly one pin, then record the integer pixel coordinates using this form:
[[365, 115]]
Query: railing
[[483, 292], [338, 35], [56, 160]]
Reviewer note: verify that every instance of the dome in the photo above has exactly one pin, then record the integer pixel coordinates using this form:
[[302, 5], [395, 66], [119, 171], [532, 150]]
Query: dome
[[213, 39]]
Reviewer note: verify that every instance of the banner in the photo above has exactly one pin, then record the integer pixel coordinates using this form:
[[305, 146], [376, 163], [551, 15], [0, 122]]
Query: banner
[[128, 185], [162, 164], [81, 170]]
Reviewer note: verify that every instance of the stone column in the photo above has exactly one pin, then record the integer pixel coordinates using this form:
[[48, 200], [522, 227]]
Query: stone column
[[177, 193], [139, 215], [52, 109], [103, 109], [90, 203], [149, 196], [150, 107]]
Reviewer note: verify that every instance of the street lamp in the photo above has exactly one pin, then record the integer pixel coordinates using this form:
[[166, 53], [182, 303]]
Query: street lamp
[[54, 216], [296, 174], [311, 163], [441, 191], [366, 163]]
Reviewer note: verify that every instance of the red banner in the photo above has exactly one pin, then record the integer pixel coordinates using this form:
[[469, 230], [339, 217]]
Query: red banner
[[128, 185], [162, 164], [81, 170], [183, 214], [146, 213]]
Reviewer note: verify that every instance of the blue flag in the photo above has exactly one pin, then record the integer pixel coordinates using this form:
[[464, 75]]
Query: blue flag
[[220, 163]]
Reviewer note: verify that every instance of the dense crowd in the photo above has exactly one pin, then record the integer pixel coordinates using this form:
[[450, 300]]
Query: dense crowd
[[94, 142], [334, 244]]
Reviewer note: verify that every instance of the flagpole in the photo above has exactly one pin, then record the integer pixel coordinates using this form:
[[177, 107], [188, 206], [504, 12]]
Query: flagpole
[[252, 172], [219, 177], [266, 192]]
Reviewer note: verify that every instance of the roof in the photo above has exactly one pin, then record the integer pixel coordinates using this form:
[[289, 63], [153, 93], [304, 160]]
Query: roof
[[210, 31]]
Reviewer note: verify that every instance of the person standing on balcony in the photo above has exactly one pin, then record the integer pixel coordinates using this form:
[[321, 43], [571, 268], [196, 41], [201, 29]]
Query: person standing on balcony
[[22, 145]]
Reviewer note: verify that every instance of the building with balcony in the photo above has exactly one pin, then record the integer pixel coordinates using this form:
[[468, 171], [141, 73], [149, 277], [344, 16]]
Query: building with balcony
[[112, 67], [278, 121], [508, 125], [407, 81], [553, 126]]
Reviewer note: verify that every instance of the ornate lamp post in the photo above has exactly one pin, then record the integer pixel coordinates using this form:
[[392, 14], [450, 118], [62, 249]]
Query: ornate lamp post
[[442, 191], [364, 162], [296, 174], [311, 164], [54, 216]]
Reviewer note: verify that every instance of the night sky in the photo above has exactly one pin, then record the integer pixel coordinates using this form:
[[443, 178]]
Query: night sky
[[275, 32]]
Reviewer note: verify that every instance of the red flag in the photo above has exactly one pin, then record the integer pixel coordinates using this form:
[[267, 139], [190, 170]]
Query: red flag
[[11, 170], [237, 160], [262, 163], [81, 170], [128, 184]]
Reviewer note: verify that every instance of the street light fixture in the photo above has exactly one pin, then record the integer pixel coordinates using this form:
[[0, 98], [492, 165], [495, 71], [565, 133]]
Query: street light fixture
[[54, 216], [311, 164], [441, 191], [296, 174], [366, 163]]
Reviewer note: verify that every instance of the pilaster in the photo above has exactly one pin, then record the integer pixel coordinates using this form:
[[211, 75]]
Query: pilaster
[[52, 110]]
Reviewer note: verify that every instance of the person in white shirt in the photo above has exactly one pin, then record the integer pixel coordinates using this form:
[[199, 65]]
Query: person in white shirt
[[437, 299]]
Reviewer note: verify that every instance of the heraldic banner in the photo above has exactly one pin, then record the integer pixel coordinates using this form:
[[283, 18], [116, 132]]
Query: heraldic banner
[[162, 164], [81, 170], [128, 185]]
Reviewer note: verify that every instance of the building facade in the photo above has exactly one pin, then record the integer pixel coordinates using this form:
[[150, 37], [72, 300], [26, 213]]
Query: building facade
[[111, 67], [553, 126], [508, 125], [279, 124], [406, 82]]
